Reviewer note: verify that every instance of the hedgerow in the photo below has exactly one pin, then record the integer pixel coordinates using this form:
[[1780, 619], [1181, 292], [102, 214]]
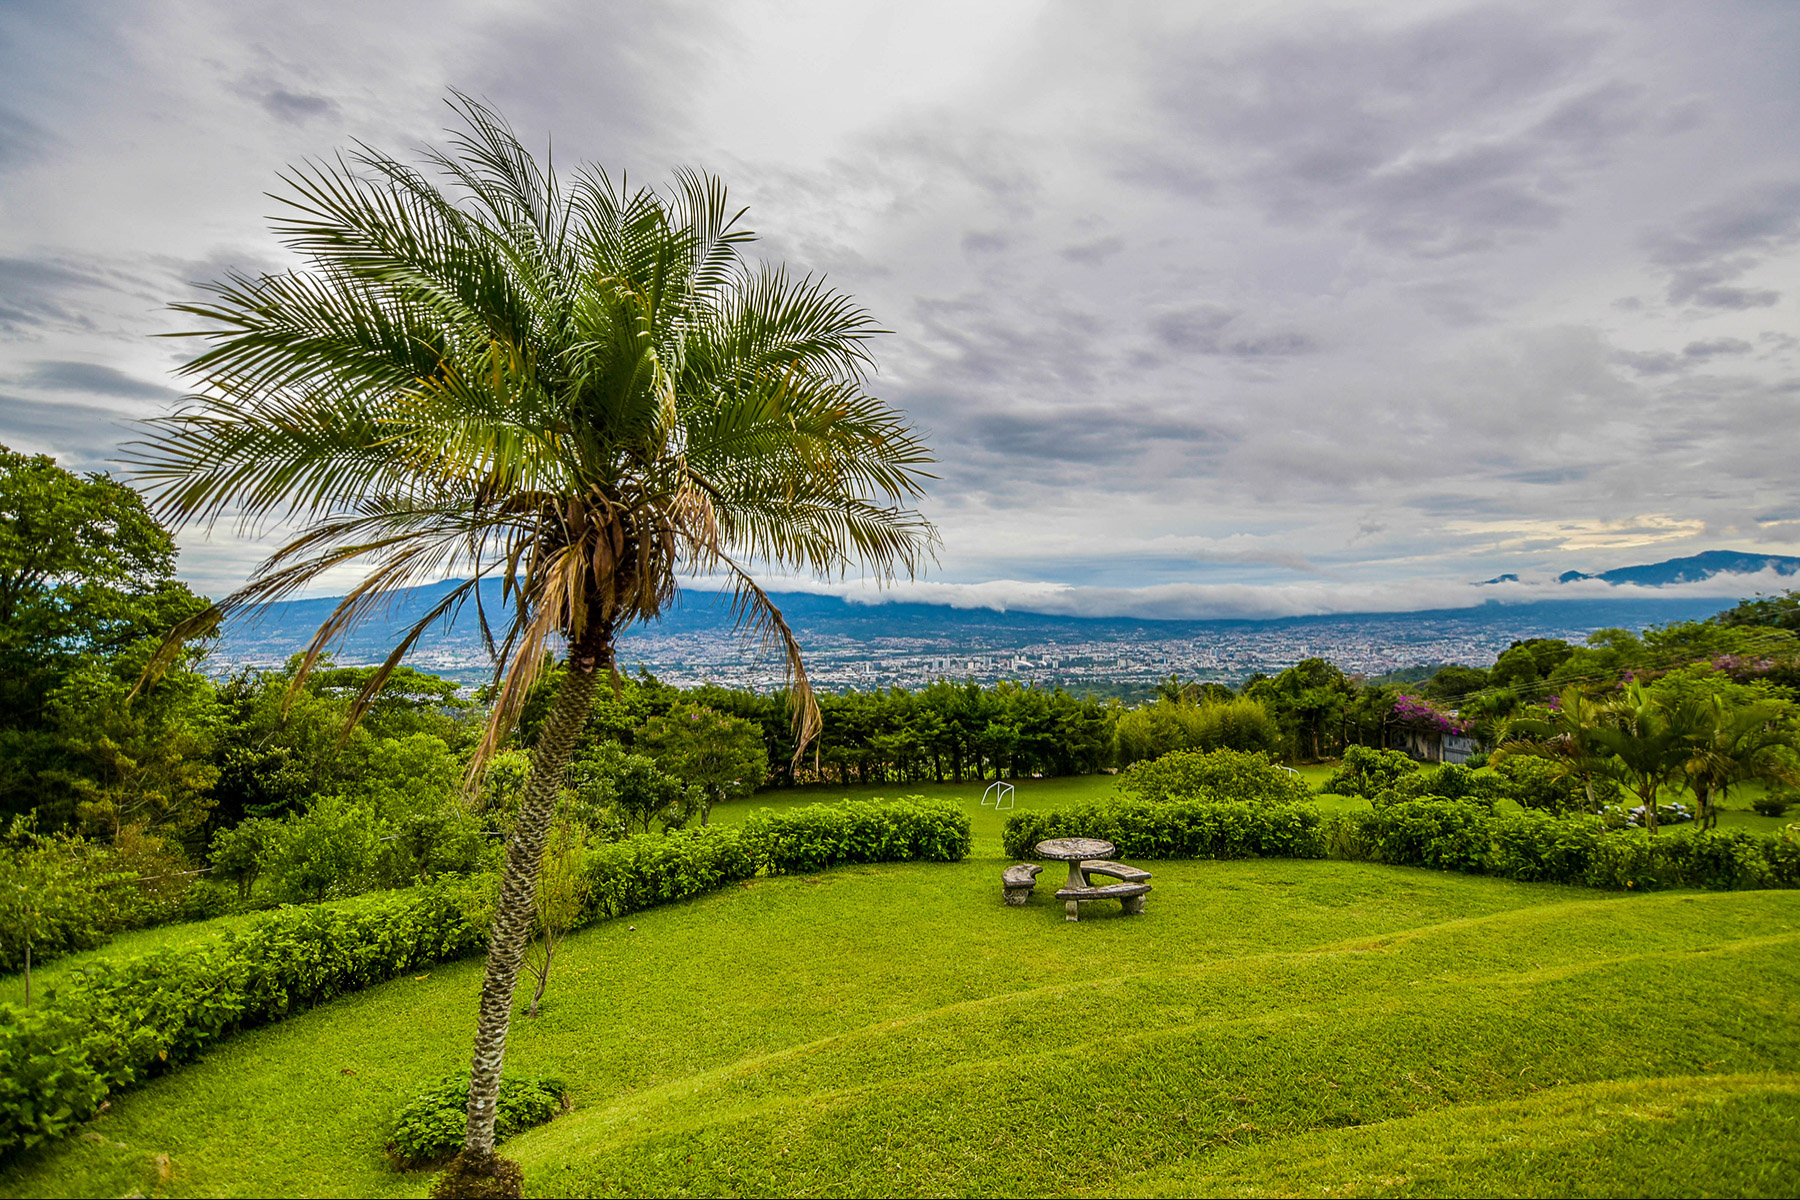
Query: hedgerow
[[117, 1023], [1182, 829], [1463, 835]]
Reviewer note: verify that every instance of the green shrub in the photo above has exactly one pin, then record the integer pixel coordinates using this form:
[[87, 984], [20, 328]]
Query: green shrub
[[911, 829], [118, 1022], [430, 1128], [1536, 783], [1367, 772], [1582, 849], [1452, 781], [1180, 829], [1449, 835], [1164, 727], [115, 1023], [328, 851], [1775, 804], [60, 894], [1225, 776]]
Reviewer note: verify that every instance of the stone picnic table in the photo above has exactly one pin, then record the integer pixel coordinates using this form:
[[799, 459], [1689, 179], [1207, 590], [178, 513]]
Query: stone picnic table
[[1087, 857], [1075, 851]]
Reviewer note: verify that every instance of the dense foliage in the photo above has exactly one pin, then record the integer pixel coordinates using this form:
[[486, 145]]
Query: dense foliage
[[1458, 835], [1177, 829], [1218, 775]]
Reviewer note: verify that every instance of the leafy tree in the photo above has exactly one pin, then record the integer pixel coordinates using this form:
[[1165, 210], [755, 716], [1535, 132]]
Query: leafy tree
[[241, 852], [608, 778], [578, 388], [1646, 739], [143, 762], [1776, 612], [1453, 682], [721, 755], [562, 892], [85, 575], [329, 850], [1310, 700], [1367, 772]]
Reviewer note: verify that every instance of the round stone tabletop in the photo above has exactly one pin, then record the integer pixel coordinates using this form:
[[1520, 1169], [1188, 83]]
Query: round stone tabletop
[[1075, 849]]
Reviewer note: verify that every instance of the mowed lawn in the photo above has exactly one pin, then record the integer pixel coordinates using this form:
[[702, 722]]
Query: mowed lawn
[[1266, 1027]]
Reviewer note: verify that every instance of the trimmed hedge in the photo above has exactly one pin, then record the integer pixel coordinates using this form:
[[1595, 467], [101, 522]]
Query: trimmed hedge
[[1182, 829], [1445, 835], [119, 1022], [1461, 835]]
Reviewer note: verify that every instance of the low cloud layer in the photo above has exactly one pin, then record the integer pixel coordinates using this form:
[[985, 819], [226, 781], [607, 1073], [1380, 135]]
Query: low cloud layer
[[1201, 602], [1244, 308]]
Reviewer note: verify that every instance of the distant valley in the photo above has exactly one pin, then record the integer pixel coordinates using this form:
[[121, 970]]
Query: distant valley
[[852, 644]]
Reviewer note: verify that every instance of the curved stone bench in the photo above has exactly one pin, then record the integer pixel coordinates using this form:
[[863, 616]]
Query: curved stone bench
[[1131, 895], [1114, 870], [1018, 881]]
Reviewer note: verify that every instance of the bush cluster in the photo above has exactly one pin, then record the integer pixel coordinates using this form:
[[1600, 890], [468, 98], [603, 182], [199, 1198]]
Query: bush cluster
[[1538, 847], [1215, 776], [1177, 829], [429, 1129], [1367, 772], [118, 1022], [1221, 724], [61, 892]]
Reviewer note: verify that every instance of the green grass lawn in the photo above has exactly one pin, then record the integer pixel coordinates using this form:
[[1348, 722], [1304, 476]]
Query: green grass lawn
[[1267, 1027]]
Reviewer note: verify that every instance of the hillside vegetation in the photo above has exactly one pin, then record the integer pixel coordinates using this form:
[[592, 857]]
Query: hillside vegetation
[[1267, 1027]]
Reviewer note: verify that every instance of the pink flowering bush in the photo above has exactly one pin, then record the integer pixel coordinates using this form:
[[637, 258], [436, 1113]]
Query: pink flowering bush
[[1410, 710]]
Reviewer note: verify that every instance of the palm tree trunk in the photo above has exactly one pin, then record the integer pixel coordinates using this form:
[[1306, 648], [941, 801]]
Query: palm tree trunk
[[518, 881]]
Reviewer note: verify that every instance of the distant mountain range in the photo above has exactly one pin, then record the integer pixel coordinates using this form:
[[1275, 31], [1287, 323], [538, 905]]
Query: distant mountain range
[[847, 629], [1692, 569]]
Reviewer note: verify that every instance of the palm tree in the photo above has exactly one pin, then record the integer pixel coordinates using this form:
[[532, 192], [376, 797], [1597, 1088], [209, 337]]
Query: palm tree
[[1645, 741], [1563, 734], [575, 388], [1736, 744]]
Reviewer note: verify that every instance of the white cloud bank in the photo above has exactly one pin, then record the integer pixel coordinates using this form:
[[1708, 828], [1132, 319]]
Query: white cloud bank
[[1199, 602]]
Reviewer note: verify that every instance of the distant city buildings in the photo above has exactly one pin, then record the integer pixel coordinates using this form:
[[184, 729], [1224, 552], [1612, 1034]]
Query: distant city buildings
[[837, 661]]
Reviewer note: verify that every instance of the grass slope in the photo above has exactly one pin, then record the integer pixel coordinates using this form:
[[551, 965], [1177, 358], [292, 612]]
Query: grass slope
[[1266, 1027]]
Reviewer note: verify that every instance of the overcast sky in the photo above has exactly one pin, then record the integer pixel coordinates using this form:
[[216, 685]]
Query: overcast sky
[[1206, 309]]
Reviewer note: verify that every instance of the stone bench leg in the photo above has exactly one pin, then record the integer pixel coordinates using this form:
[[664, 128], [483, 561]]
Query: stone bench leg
[[1017, 896], [1133, 905], [1072, 910]]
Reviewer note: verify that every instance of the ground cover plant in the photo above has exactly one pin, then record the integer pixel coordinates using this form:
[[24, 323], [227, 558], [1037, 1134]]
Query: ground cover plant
[[894, 1029]]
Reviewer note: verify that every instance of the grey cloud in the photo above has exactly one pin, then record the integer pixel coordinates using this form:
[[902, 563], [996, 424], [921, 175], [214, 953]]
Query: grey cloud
[[1096, 251], [1207, 329], [1427, 138], [1550, 476], [94, 379], [1297, 563], [297, 107], [1657, 362], [21, 140], [86, 436], [1715, 347], [40, 291], [1715, 245], [976, 242], [1728, 297], [1089, 435]]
